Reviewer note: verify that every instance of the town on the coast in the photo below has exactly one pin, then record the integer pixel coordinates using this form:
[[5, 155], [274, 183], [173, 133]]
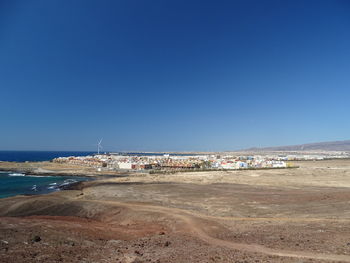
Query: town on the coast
[[218, 161]]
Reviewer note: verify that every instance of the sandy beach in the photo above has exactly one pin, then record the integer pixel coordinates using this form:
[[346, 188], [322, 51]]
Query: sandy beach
[[290, 215]]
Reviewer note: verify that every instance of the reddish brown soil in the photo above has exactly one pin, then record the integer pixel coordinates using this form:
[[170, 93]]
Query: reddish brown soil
[[147, 219]]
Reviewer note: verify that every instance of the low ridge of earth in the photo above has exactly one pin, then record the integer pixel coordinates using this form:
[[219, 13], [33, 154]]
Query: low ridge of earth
[[54, 169], [289, 215], [318, 146]]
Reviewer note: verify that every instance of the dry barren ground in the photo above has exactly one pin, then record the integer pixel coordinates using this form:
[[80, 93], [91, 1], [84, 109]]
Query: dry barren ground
[[296, 215]]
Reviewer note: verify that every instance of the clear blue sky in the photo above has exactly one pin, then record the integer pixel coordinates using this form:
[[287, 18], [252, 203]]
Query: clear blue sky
[[173, 75]]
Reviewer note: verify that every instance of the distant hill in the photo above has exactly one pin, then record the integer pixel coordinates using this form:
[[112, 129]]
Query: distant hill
[[321, 146]]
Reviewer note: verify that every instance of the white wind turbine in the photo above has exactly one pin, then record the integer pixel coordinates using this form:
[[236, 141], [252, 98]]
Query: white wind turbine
[[99, 146]]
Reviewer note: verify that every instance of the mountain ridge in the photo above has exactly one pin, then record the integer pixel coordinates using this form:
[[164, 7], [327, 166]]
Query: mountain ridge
[[321, 146]]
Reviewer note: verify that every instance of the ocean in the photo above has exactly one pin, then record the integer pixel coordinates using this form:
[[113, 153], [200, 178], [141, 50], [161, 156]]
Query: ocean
[[37, 156], [12, 183]]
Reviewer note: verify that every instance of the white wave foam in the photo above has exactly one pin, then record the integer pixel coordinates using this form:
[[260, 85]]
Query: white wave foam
[[68, 182], [37, 176], [16, 174]]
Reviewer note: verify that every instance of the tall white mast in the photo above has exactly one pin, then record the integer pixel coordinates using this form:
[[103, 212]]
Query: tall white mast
[[99, 146]]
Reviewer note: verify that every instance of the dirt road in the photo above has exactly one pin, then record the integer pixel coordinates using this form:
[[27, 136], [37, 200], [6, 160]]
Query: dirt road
[[260, 216]]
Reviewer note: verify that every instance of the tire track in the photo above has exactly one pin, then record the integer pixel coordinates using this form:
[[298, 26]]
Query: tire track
[[196, 230]]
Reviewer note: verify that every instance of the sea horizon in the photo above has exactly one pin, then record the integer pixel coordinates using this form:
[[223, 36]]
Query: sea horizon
[[37, 156]]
